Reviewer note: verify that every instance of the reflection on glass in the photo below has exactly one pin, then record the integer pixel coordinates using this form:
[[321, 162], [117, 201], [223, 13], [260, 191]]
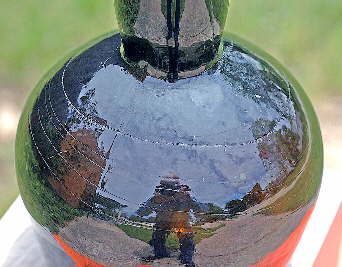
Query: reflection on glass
[[93, 144], [172, 204]]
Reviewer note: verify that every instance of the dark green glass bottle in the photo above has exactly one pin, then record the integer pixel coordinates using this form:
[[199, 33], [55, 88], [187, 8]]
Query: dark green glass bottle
[[169, 142]]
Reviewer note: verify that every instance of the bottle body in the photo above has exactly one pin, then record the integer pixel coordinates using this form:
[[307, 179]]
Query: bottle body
[[179, 172]]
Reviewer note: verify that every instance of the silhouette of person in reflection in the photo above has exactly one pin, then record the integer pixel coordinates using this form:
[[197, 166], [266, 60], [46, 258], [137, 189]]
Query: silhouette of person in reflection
[[172, 203]]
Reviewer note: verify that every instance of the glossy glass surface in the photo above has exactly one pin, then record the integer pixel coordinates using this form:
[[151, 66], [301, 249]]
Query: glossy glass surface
[[171, 38], [213, 170]]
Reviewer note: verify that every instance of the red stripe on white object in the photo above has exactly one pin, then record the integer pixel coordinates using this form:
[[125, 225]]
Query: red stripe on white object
[[330, 253], [327, 205], [281, 256]]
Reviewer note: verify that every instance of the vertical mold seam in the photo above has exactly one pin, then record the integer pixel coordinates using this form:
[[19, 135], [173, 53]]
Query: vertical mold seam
[[173, 31]]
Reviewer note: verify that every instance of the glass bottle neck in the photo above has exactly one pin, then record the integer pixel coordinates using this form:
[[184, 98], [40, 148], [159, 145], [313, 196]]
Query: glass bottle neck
[[171, 38]]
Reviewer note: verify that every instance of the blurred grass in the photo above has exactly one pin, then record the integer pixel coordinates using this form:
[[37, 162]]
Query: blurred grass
[[8, 186], [306, 36], [36, 33]]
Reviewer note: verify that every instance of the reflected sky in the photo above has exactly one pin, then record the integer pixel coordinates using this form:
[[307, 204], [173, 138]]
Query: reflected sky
[[208, 129]]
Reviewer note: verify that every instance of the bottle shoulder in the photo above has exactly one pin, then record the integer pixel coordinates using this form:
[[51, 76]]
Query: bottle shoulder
[[92, 127], [238, 93]]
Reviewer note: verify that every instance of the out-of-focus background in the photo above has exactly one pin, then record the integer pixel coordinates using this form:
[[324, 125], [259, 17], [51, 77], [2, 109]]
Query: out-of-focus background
[[305, 35]]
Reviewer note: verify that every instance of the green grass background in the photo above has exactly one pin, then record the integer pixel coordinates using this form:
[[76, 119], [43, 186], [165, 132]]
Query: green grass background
[[305, 35]]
